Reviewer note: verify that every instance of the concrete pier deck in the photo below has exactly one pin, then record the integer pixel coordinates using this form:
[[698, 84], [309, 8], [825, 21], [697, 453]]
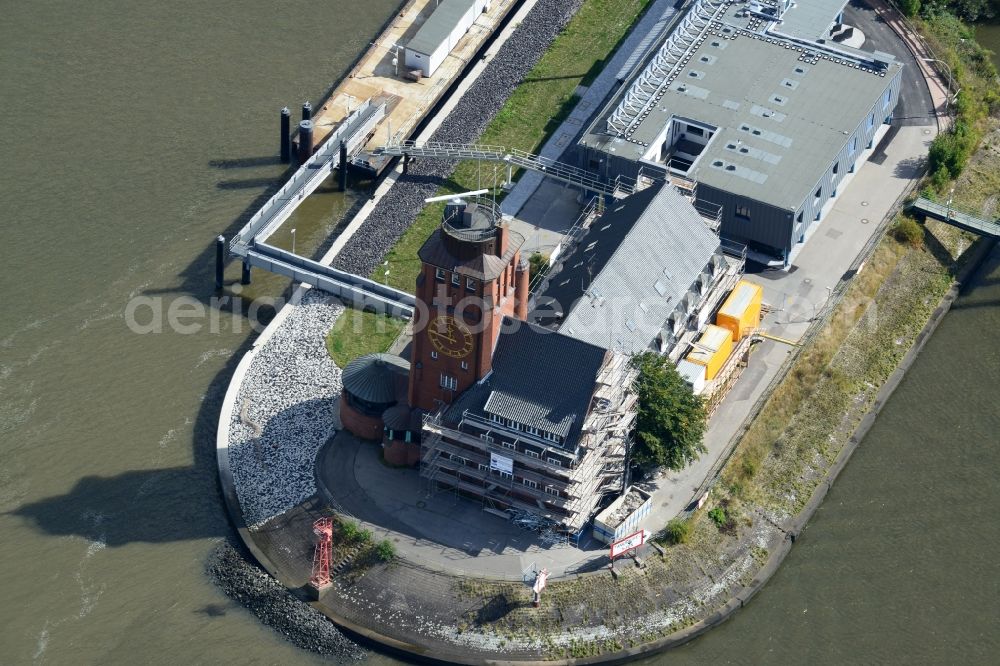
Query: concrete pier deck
[[374, 76]]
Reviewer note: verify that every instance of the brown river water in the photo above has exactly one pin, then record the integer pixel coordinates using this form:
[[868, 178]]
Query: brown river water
[[131, 134]]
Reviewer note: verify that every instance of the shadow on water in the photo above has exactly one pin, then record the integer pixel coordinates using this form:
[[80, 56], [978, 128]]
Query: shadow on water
[[244, 184], [246, 162], [151, 505]]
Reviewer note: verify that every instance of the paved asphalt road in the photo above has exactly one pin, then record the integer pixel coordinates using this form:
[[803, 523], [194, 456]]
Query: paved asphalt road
[[915, 104]]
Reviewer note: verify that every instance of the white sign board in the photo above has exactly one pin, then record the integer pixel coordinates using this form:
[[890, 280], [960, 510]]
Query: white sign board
[[628, 543], [540, 581], [501, 463]]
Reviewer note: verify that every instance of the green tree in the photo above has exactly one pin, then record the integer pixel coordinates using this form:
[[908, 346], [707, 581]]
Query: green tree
[[538, 262], [671, 419], [910, 7]]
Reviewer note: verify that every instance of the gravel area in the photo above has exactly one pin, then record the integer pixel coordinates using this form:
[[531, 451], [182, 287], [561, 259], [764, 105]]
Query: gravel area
[[285, 411], [266, 598], [397, 210]]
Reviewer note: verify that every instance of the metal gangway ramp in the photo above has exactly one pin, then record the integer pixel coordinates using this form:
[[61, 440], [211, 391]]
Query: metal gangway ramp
[[947, 213], [513, 158], [353, 133], [363, 293]]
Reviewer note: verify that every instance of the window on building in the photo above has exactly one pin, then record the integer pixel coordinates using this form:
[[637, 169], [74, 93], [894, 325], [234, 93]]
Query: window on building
[[696, 131], [743, 212], [439, 274], [495, 418], [885, 101], [854, 145], [799, 218], [533, 430], [555, 461], [470, 284], [819, 193], [465, 365], [505, 475], [486, 437], [458, 460], [449, 382], [484, 467], [530, 483], [533, 454], [455, 279], [508, 445], [871, 121], [836, 167], [552, 490], [434, 354]]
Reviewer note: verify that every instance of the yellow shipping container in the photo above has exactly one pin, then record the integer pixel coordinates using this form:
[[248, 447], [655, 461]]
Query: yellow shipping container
[[741, 311], [713, 348]]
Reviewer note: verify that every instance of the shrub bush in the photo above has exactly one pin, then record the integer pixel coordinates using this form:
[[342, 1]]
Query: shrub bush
[[353, 534], [906, 230], [719, 517], [385, 551], [678, 530]]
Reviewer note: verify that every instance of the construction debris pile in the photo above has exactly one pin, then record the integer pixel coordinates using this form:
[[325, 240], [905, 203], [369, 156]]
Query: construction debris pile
[[629, 504], [396, 211]]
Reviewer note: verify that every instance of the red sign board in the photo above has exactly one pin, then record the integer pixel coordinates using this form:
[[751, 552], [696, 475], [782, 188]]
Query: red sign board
[[631, 542]]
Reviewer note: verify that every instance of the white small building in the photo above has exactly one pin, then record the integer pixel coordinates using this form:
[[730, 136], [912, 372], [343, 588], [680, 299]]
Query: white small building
[[441, 32]]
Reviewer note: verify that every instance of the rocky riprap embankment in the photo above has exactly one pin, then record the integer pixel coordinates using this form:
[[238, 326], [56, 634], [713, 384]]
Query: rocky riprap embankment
[[284, 411], [266, 598], [396, 211]]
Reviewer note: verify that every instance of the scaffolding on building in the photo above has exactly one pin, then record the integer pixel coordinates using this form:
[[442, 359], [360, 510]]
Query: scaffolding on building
[[562, 498]]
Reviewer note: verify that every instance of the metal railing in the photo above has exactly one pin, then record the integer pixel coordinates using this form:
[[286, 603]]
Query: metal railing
[[514, 158], [309, 176]]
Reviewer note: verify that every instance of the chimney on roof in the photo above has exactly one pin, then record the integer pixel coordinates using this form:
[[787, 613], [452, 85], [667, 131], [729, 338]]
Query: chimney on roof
[[503, 238]]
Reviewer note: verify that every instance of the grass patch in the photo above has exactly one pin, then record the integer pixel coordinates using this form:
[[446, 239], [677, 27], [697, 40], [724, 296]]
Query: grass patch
[[356, 333], [532, 113], [350, 532]]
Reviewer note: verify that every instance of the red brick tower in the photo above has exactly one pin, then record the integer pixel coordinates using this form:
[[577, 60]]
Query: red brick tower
[[472, 275]]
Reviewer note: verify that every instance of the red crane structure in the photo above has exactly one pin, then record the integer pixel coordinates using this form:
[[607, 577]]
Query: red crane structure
[[323, 529]]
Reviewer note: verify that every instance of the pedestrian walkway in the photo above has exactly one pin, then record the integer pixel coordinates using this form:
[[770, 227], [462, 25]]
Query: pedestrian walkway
[[940, 88]]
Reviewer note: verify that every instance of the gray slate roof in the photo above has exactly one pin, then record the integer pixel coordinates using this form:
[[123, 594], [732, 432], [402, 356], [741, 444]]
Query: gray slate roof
[[374, 377], [540, 378], [482, 267], [629, 272], [439, 25]]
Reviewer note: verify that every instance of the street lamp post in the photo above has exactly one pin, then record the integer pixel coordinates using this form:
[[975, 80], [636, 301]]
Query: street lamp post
[[947, 98]]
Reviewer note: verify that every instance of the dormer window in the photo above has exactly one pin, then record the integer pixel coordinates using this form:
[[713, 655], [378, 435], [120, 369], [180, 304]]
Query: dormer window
[[455, 279], [470, 284], [439, 274]]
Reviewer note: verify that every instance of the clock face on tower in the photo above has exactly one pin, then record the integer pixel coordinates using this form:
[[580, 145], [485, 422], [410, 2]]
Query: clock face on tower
[[450, 336]]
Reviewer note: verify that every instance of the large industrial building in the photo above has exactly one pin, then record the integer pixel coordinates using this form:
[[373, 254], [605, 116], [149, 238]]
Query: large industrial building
[[756, 104]]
